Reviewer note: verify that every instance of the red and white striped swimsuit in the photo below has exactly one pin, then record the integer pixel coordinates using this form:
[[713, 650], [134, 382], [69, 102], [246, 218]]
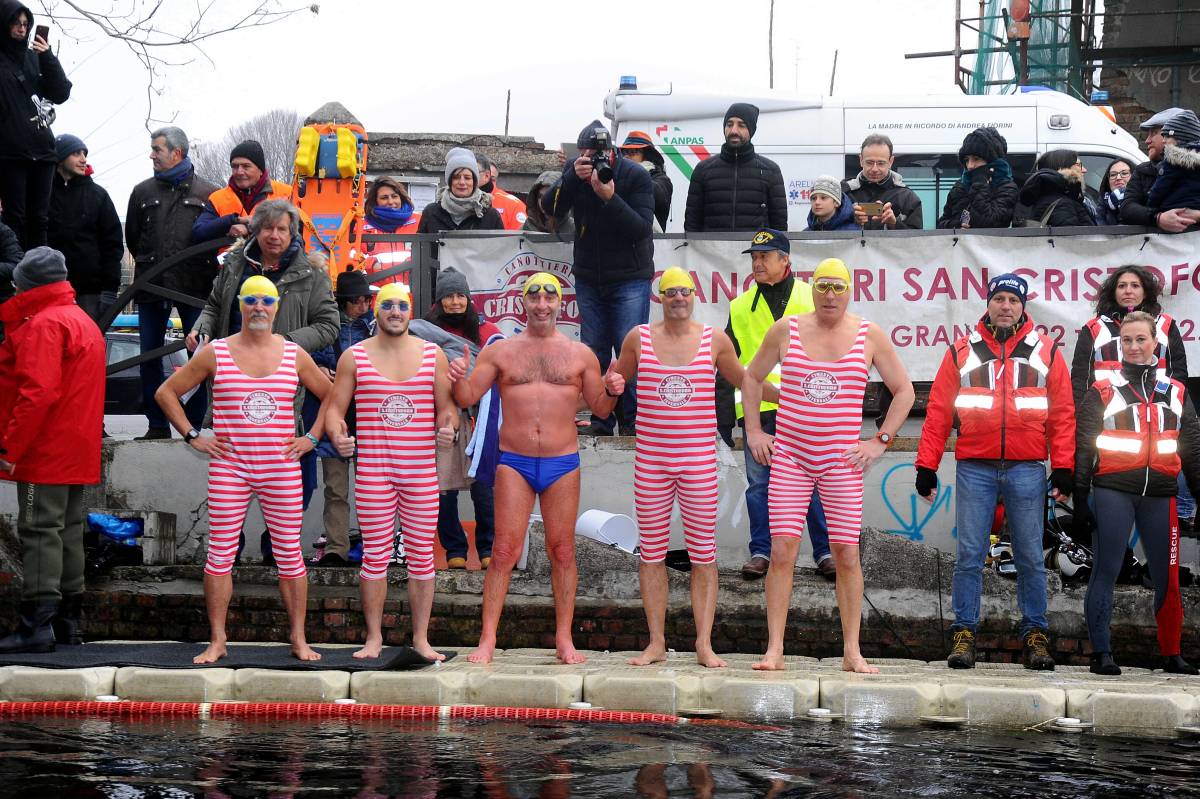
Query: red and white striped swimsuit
[[819, 418], [396, 468], [676, 451], [255, 415]]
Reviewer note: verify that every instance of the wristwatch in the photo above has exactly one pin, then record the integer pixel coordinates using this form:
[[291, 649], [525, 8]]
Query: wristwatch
[[191, 435], [885, 438]]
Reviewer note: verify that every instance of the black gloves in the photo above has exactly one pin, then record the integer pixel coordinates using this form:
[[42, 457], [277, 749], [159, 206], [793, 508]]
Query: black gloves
[[926, 481], [1082, 520], [1063, 480]]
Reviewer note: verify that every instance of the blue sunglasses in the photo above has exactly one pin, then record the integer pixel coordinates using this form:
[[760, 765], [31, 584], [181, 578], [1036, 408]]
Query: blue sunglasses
[[251, 300], [399, 305]]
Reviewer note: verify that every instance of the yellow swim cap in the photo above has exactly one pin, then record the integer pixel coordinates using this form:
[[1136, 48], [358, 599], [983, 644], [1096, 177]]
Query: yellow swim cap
[[395, 291], [258, 286], [675, 277], [542, 279], [832, 267]]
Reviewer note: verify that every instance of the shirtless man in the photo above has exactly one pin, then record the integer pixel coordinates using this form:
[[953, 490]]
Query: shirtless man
[[541, 374], [401, 395], [677, 454], [825, 356], [254, 453]]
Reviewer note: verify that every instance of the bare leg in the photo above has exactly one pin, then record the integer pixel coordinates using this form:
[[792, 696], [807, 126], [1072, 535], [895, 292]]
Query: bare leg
[[704, 610], [780, 577], [560, 506], [295, 599], [374, 594], [218, 590], [849, 597], [514, 503], [420, 601], [653, 579]]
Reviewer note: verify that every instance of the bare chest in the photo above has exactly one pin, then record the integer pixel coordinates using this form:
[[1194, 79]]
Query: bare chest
[[556, 365]]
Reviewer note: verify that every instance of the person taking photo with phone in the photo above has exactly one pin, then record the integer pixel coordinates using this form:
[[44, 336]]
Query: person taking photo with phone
[[881, 200]]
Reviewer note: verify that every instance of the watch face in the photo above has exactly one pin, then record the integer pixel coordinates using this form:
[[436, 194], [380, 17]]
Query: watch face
[[885, 438]]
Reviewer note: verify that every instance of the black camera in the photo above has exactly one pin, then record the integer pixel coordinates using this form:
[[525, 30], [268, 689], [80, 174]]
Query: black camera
[[602, 159]]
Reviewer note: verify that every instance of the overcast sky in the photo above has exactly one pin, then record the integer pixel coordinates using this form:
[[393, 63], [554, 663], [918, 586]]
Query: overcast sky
[[445, 66]]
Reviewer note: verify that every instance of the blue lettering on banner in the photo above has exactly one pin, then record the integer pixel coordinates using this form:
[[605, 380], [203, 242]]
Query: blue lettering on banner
[[914, 525]]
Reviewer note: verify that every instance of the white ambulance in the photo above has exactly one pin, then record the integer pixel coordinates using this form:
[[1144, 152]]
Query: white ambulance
[[811, 136]]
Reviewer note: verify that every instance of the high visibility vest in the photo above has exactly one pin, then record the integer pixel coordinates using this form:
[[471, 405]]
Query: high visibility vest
[[1139, 433], [751, 321], [511, 209], [226, 201], [1106, 346], [380, 255], [987, 397]]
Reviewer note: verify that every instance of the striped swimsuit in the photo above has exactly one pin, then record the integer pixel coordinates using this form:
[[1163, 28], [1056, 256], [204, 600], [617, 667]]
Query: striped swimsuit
[[396, 467], [255, 415], [819, 418], [676, 451]]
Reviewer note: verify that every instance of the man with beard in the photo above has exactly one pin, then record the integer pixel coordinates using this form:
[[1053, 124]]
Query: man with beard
[[1135, 210], [541, 374], [737, 189], [403, 408], [255, 375]]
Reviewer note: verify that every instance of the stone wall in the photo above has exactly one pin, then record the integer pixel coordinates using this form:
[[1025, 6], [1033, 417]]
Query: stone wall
[[520, 159]]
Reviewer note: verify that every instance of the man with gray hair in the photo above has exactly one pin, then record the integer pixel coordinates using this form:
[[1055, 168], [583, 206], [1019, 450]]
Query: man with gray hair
[[158, 224]]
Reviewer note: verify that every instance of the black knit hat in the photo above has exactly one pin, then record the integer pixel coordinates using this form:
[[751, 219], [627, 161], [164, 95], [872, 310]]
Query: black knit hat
[[747, 112], [352, 284], [252, 151], [985, 143], [67, 144]]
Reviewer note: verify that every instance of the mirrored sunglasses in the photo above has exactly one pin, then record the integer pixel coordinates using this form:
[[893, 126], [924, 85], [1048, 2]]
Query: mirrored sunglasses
[[677, 291], [826, 286], [254, 299], [399, 305]]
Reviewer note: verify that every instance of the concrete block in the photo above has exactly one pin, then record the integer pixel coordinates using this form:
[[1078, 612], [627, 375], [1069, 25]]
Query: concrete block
[[524, 688], [1123, 709], [643, 689], [174, 685], [28, 684], [1015, 704], [760, 695], [277, 685], [891, 700], [439, 686]]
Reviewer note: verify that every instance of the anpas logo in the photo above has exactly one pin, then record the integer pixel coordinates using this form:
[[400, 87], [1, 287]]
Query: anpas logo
[[798, 192], [673, 135], [502, 304]]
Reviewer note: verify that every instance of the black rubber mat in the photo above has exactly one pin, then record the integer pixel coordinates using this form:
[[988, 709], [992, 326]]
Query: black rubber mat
[[178, 655]]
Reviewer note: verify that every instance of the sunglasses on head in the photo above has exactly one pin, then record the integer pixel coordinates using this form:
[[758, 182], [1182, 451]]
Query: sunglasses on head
[[826, 286], [253, 299], [549, 288], [677, 291], [399, 305]]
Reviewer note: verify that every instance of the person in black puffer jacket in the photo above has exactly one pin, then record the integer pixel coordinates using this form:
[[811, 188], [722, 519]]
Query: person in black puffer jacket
[[26, 143], [10, 255], [985, 195], [1054, 194], [738, 189]]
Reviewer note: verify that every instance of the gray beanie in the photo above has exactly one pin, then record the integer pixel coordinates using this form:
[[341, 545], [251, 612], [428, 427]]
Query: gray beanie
[[460, 158], [450, 281], [829, 186], [41, 266], [66, 144], [1184, 128]]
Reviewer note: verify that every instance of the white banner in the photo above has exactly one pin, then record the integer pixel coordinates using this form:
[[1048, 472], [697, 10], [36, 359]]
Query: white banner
[[926, 291]]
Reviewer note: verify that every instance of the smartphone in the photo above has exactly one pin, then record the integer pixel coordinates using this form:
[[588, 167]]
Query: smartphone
[[42, 31], [872, 209]]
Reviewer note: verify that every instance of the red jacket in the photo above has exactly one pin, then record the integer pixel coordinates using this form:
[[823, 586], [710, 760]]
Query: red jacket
[[52, 366], [1009, 403], [511, 209]]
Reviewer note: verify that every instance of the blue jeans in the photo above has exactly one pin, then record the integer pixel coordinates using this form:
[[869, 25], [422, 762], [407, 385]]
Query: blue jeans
[[450, 532], [607, 314], [1022, 484], [1185, 503], [153, 318], [757, 479]]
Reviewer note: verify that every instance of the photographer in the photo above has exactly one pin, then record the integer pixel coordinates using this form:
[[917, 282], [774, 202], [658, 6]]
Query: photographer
[[613, 202]]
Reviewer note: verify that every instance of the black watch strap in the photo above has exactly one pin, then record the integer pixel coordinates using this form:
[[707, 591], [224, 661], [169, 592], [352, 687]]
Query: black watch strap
[[191, 435]]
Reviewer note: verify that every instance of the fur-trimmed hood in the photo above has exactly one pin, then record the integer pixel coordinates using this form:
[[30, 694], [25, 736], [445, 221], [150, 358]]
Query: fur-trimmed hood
[[1184, 156]]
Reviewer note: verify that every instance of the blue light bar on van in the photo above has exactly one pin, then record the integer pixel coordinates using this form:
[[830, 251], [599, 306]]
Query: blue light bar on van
[[628, 83], [1036, 89]]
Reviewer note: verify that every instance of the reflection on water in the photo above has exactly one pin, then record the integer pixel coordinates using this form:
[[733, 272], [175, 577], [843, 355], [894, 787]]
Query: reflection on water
[[224, 758]]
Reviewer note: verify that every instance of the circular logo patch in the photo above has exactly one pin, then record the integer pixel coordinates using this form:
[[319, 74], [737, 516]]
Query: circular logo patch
[[819, 387], [259, 407], [397, 410], [675, 390]]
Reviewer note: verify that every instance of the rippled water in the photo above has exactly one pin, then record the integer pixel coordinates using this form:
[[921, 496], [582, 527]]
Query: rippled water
[[83, 758]]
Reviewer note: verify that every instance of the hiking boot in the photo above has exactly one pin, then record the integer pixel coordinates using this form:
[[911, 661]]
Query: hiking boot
[[485, 561], [154, 434], [1036, 654], [756, 567], [1103, 663], [66, 621], [456, 563], [34, 632], [1177, 665], [962, 654]]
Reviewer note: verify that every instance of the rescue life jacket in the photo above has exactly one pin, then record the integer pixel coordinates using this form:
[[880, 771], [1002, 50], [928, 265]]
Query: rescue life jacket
[[1106, 346], [988, 397], [1140, 431]]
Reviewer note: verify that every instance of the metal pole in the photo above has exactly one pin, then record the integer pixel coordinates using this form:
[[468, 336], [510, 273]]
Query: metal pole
[[507, 107], [833, 73], [771, 48]]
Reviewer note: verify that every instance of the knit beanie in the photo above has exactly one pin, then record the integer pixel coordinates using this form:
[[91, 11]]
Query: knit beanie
[[1184, 128], [461, 158], [252, 151], [41, 266], [985, 143], [66, 144], [450, 281], [829, 186], [586, 140], [746, 112], [1013, 284]]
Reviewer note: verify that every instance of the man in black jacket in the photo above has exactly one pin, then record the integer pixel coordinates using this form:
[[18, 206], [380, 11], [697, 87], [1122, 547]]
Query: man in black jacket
[[1134, 208], [614, 250], [85, 228], [878, 183], [158, 224], [985, 195], [737, 189]]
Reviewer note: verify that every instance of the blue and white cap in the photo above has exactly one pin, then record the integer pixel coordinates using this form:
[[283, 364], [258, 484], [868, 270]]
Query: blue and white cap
[[1012, 283]]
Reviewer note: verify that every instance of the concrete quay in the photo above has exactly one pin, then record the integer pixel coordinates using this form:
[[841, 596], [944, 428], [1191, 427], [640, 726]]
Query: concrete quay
[[906, 693]]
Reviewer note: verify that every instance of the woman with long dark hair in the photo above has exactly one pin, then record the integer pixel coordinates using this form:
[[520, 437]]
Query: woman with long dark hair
[[1112, 191]]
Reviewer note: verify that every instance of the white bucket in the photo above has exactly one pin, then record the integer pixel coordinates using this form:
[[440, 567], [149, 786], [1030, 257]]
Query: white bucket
[[613, 529]]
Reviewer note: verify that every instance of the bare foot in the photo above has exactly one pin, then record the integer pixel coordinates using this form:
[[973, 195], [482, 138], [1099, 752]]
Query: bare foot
[[770, 662], [303, 651], [708, 658], [651, 654], [426, 651], [858, 665], [211, 654], [371, 649], [569, 655], [483, 653]]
